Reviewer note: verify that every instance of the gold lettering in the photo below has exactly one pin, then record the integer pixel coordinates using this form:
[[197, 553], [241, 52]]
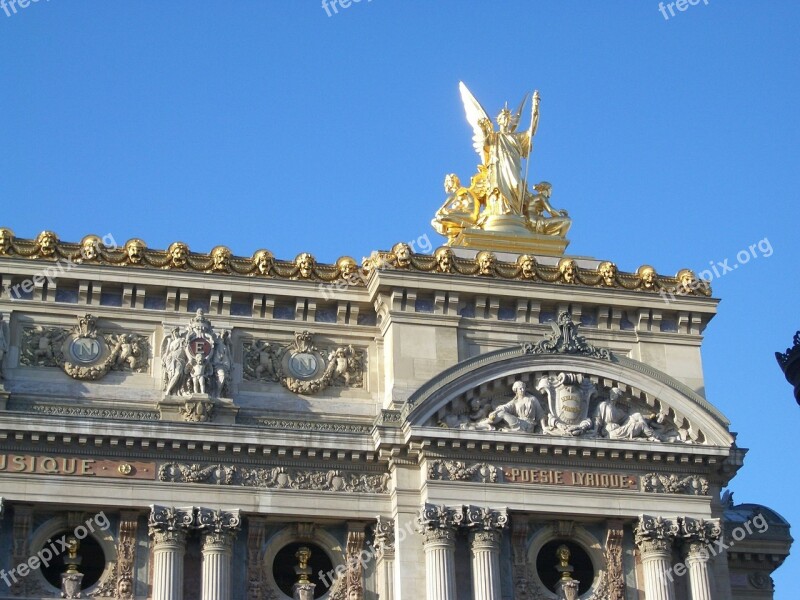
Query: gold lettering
[[604, 480], [590, 479], [514, 474], [19, 464], [3, 461], [526, 476], [577, 478], [559, 477], [68, 470], [86, 466]]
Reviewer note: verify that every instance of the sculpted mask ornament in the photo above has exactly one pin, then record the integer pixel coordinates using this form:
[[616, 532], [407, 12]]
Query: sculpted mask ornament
[[221, 259], [305, 263], [263, 261], [402, 255], [444, 259], [568, 270], [608, 273], [90, 247], [647, 275], [6, 237], [347, 268], [134, 251], [46, 243], [687, 282], [486, 263], [527, 266], [178, 255]]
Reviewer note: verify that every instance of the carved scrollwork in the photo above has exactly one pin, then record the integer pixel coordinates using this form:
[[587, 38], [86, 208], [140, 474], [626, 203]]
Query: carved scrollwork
[[329, 480], [565, 340], [693, 485], [453, 470], [302, 367]]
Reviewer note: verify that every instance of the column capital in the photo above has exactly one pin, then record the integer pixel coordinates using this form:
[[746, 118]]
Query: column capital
[[655, 535], [168, 524], [218, 521], [698, 535], [434, 516], [485, 539], [485, 519]]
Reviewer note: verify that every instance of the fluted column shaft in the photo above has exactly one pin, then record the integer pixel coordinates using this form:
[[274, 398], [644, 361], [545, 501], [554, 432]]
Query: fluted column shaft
[[657, 566], [217, 550], [699, 574], [440, 546], [485, 547], [169, 548]]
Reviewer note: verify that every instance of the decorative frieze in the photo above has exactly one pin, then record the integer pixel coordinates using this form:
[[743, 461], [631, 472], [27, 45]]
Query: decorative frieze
[[303, 367], [135, 254], [330, 480], [316, 426]]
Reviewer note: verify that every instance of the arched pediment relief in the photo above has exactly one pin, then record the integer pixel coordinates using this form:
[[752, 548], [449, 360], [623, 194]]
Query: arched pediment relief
[[570, 395]]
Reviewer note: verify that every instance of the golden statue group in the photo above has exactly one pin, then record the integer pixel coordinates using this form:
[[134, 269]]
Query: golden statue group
[[497, 210]]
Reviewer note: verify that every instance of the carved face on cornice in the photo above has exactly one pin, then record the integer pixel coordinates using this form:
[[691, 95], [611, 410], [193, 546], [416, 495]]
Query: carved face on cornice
[[6, 237], [486, 263], [305, 265], [527, 265], [648, 277], [444, 260], [568, 270], [608, 273], [46, 243], [347, 267], [90, 247], [178, 255], [402, 255], [134, 250], [263, 261], [687, 281], [221, 258]]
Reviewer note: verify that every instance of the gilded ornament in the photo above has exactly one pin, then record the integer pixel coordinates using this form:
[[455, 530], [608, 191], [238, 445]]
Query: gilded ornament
[[178, 255], [305, 264], [134, 251], [568, 270], [263, 261], [90, 248], [527, 266], [402, 255], [608, 273], [221, 259], [487, 263], [648, 277], [46, 244], [444, 259], [6, 241]]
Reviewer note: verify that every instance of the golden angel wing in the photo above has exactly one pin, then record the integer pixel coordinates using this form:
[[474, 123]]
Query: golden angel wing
[[476, 115]]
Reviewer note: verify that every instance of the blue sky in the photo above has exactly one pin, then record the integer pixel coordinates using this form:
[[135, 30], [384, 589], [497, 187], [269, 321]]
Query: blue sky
[[672, 142]]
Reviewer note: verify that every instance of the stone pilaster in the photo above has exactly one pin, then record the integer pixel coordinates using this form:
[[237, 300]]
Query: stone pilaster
[[384, 566], [655, 537], [699, 535], [219, 529], [169, 527], [486, 532], [438, 526]]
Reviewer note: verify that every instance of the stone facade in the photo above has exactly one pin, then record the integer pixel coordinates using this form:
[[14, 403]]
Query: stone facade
[[427, 432]]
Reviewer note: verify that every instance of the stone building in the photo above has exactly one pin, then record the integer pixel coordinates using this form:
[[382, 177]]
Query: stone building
[[489, 420]]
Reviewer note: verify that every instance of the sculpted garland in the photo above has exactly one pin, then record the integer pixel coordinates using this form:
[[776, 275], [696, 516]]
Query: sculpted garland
[[135, 254]]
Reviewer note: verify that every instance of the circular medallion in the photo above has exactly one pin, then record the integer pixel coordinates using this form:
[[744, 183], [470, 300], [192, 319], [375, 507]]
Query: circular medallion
[[200, 345], [85, 350], [303, 365]]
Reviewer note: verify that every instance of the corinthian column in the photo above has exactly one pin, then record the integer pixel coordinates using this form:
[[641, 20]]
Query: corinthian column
[[698, 536], [168, 527], [384, 546], [438, 526], [219, 530], [486, 532], [655, 536]]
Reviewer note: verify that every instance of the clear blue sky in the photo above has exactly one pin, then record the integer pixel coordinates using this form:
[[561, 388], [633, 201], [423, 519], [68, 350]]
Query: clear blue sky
[[270, 124]]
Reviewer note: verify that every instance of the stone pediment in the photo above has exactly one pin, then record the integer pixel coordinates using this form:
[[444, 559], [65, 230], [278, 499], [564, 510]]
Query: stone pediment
[[582, 394]]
